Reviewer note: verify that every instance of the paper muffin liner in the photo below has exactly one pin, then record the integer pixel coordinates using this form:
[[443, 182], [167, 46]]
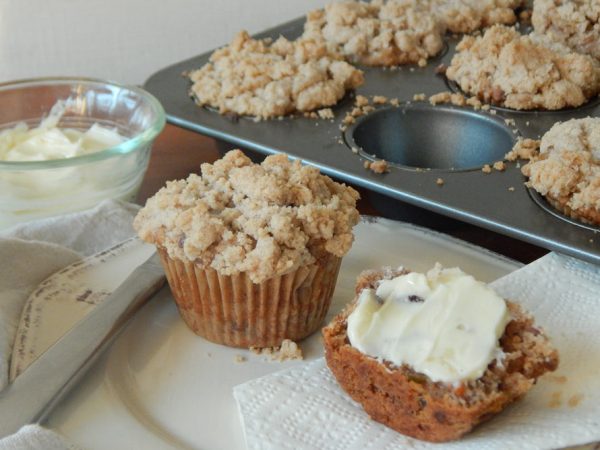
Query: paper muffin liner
[[234, 311]]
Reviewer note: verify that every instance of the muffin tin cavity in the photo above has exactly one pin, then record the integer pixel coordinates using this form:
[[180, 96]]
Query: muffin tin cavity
[[422, 136], [543, 203]]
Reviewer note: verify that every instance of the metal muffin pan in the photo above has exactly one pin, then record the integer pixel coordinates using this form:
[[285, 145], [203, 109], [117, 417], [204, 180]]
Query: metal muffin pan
[[423, 143]]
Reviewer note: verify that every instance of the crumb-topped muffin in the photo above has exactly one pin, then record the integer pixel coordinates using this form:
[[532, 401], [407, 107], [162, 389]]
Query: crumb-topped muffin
[[433, 355], [505, 68], [466, 16], [251, 251], [271, 79], [567, 169], [377, 33], [574, 23]]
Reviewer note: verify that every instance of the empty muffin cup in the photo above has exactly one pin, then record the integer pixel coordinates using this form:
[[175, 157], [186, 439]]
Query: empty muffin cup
[[440, 137]]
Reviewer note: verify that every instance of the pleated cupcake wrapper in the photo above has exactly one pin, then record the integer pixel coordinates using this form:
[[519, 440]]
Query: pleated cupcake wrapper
[[234, 311]]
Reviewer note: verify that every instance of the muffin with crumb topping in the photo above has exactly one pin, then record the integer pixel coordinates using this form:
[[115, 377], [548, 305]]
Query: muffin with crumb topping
[[251, 252], [566, 171]]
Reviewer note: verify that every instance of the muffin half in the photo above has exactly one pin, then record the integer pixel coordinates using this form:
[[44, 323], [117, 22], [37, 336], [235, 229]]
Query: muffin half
[[443, 404]]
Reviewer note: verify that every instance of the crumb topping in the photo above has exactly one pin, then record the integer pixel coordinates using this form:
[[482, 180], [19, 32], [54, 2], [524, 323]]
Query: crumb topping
[[505, 68], [263, 79], [499, 166], [380, 166], [466, 16], [288, 350], [573, 23], [523, 149], [265, 220], [567, 168], [377, 33], [326, 113]]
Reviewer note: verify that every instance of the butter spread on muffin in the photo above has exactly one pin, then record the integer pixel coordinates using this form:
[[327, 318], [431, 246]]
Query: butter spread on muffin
[[444, 324], [263, 79]]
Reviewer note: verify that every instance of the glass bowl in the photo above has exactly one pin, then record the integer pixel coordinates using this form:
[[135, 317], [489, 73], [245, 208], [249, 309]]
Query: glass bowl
[[34, 189]]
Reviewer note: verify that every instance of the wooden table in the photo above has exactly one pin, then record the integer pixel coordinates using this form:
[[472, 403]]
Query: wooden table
[[178, 152]]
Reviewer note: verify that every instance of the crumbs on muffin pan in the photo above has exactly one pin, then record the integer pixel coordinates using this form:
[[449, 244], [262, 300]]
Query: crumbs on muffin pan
[[265, 220], [326, 113], [505, 68], [380, 166], [270, 79], [499, 166], [288, 350], [523, 149], [574, 23], [378, 33]]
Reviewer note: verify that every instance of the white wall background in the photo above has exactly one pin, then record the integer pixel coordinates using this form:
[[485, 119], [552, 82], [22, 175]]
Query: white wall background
[[125, 40]]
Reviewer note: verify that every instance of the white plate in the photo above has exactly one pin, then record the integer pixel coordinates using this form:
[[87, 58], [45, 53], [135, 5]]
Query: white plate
[[160, 386]]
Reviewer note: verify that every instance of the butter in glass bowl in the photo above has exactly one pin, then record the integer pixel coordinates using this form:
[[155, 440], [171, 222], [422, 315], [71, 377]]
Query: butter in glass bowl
[[66, 144]]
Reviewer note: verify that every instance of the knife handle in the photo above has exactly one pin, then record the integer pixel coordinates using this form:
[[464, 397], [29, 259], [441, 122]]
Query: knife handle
[[35, 392]]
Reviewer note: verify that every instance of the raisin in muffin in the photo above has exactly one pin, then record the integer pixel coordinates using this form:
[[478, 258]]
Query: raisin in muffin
[[414, 403], [251, 252]]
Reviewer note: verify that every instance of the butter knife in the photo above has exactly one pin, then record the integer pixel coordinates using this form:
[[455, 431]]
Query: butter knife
[[34, 393]]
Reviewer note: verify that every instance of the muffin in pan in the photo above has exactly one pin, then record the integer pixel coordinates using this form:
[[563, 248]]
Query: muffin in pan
[[378, 33], [466, 16], [574, 23], [433, 355], [567, 169], [523, 72], [251, 252], [268, 79]]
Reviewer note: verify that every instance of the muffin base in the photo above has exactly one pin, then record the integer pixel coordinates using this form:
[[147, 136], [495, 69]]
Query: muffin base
[[234, 311], [590, 216]]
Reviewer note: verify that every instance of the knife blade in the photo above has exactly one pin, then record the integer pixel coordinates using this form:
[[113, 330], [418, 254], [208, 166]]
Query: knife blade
[[33, 394]]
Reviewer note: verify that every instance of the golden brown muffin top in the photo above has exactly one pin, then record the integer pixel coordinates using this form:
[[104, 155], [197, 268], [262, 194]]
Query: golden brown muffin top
[[264, 220], [523, 72], [271, 79], [568, 166]]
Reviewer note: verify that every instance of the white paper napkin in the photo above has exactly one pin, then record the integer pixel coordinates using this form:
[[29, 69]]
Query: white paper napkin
[[304, 408]]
